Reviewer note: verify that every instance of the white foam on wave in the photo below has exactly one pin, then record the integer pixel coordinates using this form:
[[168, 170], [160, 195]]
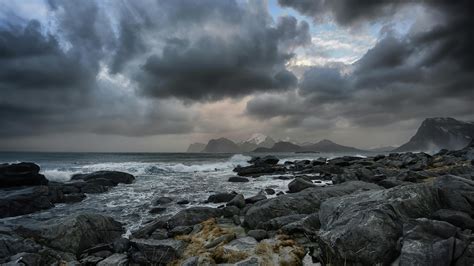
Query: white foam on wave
[[148, 168], [59, 175]]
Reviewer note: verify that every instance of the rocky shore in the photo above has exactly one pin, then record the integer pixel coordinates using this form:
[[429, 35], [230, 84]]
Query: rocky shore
[[396, 209]]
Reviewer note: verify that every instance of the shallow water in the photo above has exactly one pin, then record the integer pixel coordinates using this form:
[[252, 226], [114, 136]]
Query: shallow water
[[177, 175]]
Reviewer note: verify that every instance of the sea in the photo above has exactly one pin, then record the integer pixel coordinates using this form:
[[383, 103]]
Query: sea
[[181, 176]]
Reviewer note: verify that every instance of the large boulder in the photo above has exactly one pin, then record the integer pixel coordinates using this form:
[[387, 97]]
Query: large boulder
[[457, 193], [79, 232], [26, 200], [105, 178], [428, 242], [221, 197], [304, 202], [299, 184], [194, 215], [364, 227], [21, 174]]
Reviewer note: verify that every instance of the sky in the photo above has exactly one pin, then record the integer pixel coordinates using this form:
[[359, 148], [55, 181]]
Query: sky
[[158, 75]]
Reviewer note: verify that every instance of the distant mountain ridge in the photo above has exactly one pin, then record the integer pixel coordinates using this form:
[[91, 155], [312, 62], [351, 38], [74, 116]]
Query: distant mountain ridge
[[440, 133], [262, 143]]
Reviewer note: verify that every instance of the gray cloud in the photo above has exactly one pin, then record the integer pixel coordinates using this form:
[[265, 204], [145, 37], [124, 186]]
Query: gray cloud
[[214, 66], [403, 78], [345, 12]]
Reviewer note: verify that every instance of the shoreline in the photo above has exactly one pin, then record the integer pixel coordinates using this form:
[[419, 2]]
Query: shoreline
[[394, 200]]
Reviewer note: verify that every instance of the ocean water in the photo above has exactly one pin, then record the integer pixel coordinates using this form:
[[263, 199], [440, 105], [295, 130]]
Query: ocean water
[[181, 176]]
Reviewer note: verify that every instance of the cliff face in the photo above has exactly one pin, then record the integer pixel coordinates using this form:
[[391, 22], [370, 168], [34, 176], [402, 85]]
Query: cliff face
[[196, 147], [440, 133]]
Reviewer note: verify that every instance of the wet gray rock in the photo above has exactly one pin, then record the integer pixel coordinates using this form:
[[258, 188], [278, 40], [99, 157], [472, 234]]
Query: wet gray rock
[[266, 160], [270, 191], [428, 242], [457, 193], [244, 244], [259, 197], [456, 218], [115, 177], [299, 184], [159, 252], [230, 211], [238, 179], [26, 200], [114, 260], [304, 202], [149, 228], [21, 174], [308, 225], [348, 222], [238, 201], [279, 222], [161, 200], [194, 215], [77, 233], [180, 230], [221, 197]]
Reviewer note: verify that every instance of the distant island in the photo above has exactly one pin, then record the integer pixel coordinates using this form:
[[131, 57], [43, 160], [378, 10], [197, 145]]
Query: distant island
[[433, 135]]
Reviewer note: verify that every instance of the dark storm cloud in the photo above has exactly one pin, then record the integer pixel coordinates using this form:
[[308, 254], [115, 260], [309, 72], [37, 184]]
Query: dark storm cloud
[[111, 69], [214, 66], [345, 12], [422, 74]]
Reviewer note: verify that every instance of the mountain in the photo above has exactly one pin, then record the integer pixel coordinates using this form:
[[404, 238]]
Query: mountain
[[440, 133], [281, 146], [326, 145], [196, 147], [221, 145], [255, 141]]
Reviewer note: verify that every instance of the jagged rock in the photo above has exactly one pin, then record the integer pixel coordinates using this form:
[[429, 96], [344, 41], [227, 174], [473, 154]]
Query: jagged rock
[[21, 174], [182, 202], [299, 184], [221, 197], [26, 200], [304, 202], [159, 252], [193, 216], [348, 222], [238, 179]]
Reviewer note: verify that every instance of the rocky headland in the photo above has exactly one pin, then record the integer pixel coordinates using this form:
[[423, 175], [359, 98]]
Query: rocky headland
[[394, 209]]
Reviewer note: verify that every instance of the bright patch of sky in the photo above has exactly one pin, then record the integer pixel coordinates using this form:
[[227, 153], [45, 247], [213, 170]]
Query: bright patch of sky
[[331, 43]]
